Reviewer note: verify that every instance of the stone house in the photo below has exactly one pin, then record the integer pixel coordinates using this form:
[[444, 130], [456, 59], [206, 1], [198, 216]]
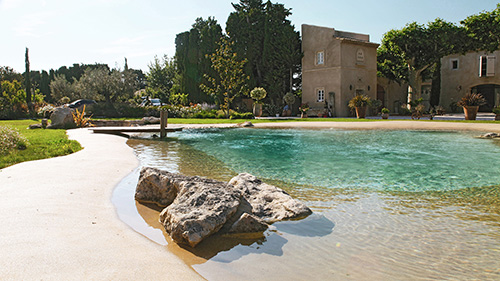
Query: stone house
[[476, 72], [336, 66]]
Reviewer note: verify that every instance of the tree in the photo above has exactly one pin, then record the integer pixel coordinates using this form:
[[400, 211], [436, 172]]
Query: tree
[[109, 86], [191, 50], [409, 54], [160, 78], [262, 34], [484, 30], [60, 87], [9, 74], [27, 81], [230, 81]]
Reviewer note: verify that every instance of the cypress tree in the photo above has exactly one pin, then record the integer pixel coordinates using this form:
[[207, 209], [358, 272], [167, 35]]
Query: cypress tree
[[27, 80]]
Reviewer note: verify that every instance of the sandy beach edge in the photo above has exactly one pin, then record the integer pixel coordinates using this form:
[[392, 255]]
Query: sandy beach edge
[[386, 125], [58, 222]]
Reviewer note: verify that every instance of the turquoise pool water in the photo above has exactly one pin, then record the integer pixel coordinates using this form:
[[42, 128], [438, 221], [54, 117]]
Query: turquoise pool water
[[380, 160], [388, 205]]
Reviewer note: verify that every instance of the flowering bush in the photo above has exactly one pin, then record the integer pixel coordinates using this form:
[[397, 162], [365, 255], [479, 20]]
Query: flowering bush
[[11, 139], [304, 108]]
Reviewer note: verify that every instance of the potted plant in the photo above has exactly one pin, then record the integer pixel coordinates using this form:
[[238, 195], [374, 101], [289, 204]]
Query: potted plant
[[470, 103], [496, 110], [303, 110], [385, 113], [359, 103], [289, 100], [258, 94]]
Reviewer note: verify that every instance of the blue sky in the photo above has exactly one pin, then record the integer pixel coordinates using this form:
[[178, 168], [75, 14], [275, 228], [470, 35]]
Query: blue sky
[[63, 32]]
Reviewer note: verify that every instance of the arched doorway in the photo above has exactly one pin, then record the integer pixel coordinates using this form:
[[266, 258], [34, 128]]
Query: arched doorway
[[491, 93]]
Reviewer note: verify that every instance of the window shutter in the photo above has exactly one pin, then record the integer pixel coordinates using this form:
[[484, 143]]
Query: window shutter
[[490, 66], [482, 66]]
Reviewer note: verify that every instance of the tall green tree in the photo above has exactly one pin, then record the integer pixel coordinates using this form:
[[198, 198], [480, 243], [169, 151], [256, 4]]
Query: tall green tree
[[409, 54], [160, 78], [192, 48], [263, 34], [27, 80], [484, 30], [230, 80]]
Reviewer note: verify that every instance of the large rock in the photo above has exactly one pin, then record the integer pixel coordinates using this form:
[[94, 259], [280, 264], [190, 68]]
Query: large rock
[[196, 208], [158, 187], [200, 209], [62, 118], [268, 202], [247, 224]]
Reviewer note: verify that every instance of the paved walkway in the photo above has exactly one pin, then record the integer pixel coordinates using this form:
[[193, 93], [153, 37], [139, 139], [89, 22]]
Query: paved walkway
[[57, 221]]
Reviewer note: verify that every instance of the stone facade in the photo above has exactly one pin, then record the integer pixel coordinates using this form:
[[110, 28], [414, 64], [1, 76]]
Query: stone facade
[[336, 66], [461, 74]]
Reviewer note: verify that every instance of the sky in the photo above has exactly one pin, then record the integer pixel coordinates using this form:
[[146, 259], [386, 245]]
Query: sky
[[62, 32]]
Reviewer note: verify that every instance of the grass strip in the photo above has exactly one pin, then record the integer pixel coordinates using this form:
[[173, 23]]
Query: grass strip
[[43, 143]]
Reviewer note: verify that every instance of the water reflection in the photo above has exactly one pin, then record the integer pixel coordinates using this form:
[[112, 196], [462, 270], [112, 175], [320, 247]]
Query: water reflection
[[353, 234]]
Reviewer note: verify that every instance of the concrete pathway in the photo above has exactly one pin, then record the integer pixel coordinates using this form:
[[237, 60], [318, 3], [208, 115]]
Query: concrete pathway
[[57, 221]]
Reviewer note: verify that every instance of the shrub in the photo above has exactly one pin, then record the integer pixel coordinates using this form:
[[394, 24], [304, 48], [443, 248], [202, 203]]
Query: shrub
[[360, 101], [403, 110], [179, 99], [472, 100], [289, 99], [271, 109], [384, 110], [11, 139], [258, 94], [80, 119], [245, 115]]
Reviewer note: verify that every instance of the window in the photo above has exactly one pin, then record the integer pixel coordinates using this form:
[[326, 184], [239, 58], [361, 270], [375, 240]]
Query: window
[[320, 57], [321, 95], [454, 64], [486, 66]]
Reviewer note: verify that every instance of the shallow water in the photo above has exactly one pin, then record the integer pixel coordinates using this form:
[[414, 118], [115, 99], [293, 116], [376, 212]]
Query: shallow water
[[387, 204]]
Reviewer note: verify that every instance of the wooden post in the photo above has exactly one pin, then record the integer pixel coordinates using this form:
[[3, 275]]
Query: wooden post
[[163, 124]]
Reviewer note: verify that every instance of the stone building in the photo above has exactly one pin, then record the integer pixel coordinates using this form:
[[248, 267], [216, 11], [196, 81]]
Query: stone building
[[336, 66], [476, 72]]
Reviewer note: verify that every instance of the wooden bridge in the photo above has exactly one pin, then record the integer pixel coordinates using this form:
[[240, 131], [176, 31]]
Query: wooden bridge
[[122, 130], [162, 129]]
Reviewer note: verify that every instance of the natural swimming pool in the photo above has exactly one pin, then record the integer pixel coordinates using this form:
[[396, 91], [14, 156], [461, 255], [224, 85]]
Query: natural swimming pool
[[387, 204]]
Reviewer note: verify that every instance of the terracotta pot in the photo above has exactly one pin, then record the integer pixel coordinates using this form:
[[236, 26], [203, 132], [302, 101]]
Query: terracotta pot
[[385, 115], [361, 112], [470, 112], [257, 109]]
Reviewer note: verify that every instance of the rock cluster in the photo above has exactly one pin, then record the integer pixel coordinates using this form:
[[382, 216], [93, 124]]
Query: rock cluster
[[490, 136], [195, 208]]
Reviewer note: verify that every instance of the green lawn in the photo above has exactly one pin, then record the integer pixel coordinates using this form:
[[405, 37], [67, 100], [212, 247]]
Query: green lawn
[[42, 143]]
